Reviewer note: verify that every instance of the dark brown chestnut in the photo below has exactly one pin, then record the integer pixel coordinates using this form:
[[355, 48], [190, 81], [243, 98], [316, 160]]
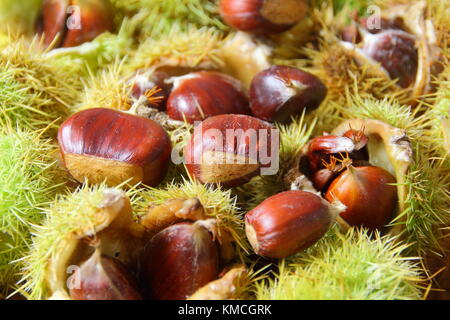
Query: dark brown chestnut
[[280, 92], [396, 51], [368, 193], [263, 16], [203, 94], [180, 260], [151, 85], [320, 150], [103, 278], [231, 149], [287, 223], [104, 144], [74, 21]]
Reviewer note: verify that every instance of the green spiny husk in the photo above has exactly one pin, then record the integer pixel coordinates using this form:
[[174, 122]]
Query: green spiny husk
[[428, 178], [19, 16], [35, 90], [69, 213], [30, 177], [350, 266], [218, 203]]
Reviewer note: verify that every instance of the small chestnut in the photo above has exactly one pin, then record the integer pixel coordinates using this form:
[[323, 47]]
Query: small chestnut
[[396, 51], [104, 144], [263, 16], [103, 278], [151, 82], [203, 94], [287, 223], [280, 92], [231, 149], [368, 193], [320, 149], [179, 260], [74, 21]]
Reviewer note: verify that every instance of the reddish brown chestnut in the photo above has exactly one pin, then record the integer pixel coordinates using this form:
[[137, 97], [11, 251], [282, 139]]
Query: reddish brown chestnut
[[320, 149], [203, 94], [151, 84], [180, 260], [103, 278], [74, 21], [280, 92], [368, 194], [231, 149], [103, 144], [396, 51], [263, 16], [287, 223]]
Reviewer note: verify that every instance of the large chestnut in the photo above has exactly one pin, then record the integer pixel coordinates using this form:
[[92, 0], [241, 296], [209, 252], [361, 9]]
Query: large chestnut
[[280, 92], [231, 149], [104, 144], [103, 278], [396, 51], [287, 223], [369, 194], [263, 16], [179, 260], [203, 94], [74, 21]]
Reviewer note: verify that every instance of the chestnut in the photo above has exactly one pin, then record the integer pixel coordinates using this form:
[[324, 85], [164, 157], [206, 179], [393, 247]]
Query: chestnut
[[396, 51], [280, 92], [231, 149], [320, 149], [263, 16], [73, 21], [203, 94], [287, 223], [179, 260], [368, 193], [103, 278], [104, 144], [152, 85]]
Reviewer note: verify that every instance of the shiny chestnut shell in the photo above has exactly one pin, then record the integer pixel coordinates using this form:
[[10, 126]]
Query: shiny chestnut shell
[[179, 260], [396, 51], [262, 16], [144, 82], [203, 94], [368, 193], [287, 223], [103, 278], [95, 17], [280, 92], [100, 144], [214, 155]]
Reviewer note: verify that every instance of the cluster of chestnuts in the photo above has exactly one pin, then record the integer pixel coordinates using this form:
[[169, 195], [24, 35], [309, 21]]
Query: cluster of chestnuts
[[179, 257]]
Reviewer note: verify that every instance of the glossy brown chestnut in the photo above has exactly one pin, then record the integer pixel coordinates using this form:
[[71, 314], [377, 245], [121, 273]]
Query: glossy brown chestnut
[[368, 194], [179, 260], [230, 149], [320, 150], [287, 223], [151, 85], [396, 51], [103, 144], [263, 16], [203, 94], [280, 92], [74, 21], [103, 278]]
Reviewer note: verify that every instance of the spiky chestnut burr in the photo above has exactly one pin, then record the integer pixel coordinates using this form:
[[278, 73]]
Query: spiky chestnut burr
[[263, 16], [180, 260], [281, 92], [104, 144], [287, 223], [369, 194], [230, 149], [74, 21], [103, 278], [199, 95]]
